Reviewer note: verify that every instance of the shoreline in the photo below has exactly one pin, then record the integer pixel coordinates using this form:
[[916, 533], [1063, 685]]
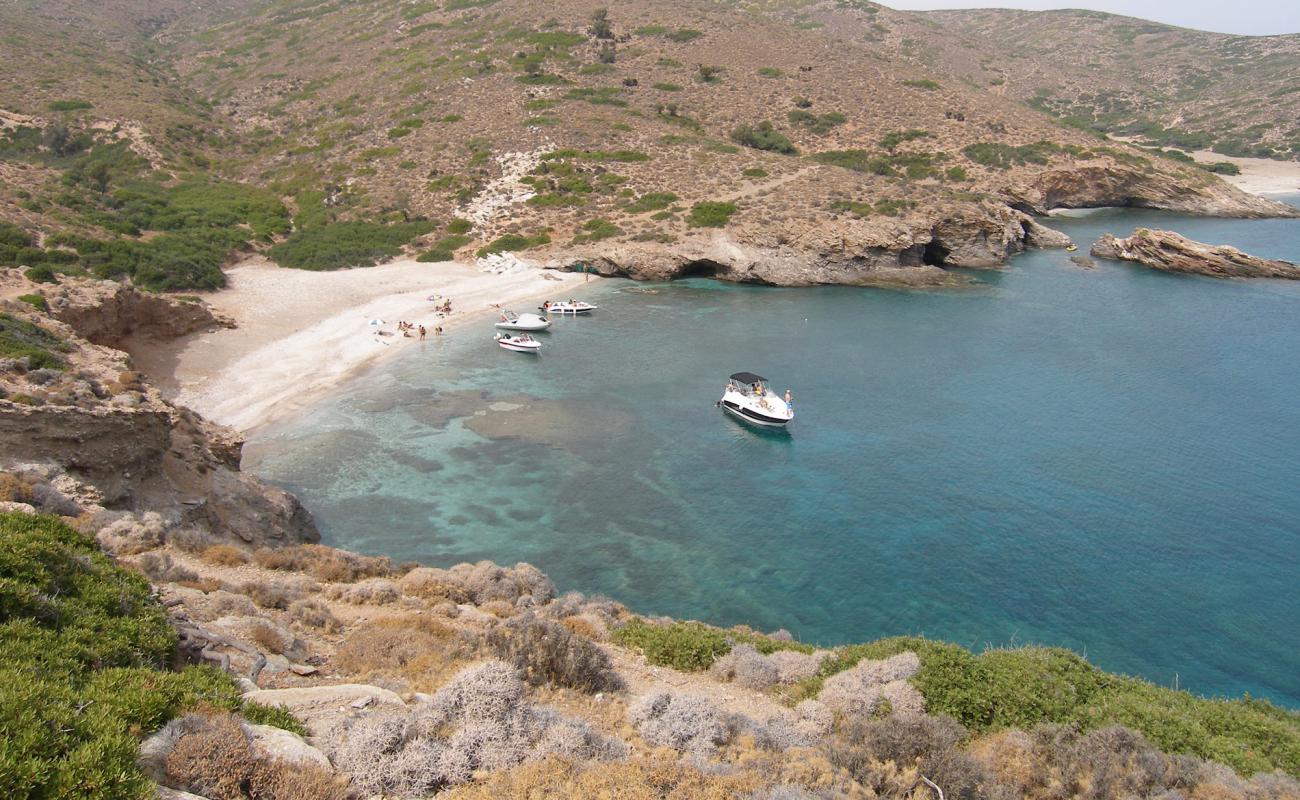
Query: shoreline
[[301, 334], [1263, 176]]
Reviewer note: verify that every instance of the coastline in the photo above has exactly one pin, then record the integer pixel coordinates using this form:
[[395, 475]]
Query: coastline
[[1263, 176], [301, 333]]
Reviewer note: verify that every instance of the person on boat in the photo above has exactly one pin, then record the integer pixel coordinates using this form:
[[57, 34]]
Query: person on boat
[[789, 398], [758, 388]]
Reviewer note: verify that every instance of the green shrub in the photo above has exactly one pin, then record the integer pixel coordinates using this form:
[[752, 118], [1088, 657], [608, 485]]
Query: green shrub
[[896, 138], [82, 646], [922, 83], [275, 716], [691, 646], [596, 230], [459, 225], [35, 301], [1221, 168], [708, 74], [683, 35], [625, 156], [1005, 156], [770, 72], [763, 137], [70, 105], [445, 248], [754, 172], [22, 339], [710, 214], [346, 244], [651, 201], [512, 242], [667, 87], [818, 123], [41, 273], [1022, 688]]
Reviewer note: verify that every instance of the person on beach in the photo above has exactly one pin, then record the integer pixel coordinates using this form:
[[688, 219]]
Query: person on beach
[[422, 338], [437, 331]]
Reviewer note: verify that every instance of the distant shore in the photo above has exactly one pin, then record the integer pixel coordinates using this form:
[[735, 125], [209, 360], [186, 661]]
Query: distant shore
[[1258, 175], [302, 333]]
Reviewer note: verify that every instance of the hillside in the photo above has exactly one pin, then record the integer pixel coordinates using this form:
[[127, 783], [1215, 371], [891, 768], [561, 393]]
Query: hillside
[[785, 144], [1171, 87]]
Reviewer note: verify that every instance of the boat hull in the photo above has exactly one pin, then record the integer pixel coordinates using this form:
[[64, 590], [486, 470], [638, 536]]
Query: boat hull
[[522, 326], [754, 417], [518, 348]]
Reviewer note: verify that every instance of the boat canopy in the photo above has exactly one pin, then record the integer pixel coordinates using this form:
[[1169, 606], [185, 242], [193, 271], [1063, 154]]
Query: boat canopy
[[748, 377]]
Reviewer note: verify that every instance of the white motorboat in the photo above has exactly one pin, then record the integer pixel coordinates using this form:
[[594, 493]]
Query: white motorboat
[[747, 397], [521, 343], [510, 321], [570, 307]]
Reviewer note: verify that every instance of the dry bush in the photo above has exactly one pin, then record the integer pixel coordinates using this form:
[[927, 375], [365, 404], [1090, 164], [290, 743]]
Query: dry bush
[[480, 583], [270, 639], [191, 540], [14, 489], [410, 646], [297, 780], [1112, 762], [547, 653], [499, 609], [204, 585], [50, 500], [746, 666], [581, 626], [314, 614], [871, 687], [324, 563], [932, 743], [127, 534], [159, 568], [270, 595], [638, 779], [224, 555], [373, 591], [479, 721], [685, 722], [227, 604], [216, 761], [793, 666]]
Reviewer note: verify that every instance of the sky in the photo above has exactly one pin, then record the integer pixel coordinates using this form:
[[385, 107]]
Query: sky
[[1252, 17]]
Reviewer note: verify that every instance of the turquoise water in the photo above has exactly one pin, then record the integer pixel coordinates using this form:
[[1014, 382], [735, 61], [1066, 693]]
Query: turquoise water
[[1106, 459]]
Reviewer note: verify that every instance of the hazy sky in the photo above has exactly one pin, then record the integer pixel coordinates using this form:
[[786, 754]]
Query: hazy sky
[[1258, 17]]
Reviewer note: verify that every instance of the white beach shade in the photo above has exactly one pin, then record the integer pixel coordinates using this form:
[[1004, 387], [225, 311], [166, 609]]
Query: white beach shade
[[376, 321]]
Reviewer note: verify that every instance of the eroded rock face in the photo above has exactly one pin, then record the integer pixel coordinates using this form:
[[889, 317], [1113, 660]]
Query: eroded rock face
[[1170, 252], [1137, 186], [97, 423], [108, 313], [909, 251]]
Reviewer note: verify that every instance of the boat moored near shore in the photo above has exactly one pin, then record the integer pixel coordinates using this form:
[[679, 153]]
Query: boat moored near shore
[[567, 307], [747, 397]]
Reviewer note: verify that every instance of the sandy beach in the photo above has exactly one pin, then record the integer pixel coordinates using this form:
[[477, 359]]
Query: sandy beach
[[302, 333], [1258, 175]]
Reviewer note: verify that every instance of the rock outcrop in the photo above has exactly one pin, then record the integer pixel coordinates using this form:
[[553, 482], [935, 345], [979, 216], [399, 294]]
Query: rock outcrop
[[912, 250], [96, 423], [1137, 185], [1170, 252]]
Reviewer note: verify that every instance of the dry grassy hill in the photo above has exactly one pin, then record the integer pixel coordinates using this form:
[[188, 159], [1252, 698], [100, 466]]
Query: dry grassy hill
[[778, 142], [1237, 95]]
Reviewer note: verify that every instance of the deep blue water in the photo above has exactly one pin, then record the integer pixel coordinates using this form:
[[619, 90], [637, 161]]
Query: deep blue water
[[1106, 459]]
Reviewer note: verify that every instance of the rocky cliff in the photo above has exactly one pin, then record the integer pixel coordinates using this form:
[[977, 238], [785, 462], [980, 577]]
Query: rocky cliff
[[1170, 252], [75, 413]]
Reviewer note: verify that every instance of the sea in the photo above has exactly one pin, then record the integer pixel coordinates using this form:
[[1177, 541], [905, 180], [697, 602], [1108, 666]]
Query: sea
[[1097, 455]]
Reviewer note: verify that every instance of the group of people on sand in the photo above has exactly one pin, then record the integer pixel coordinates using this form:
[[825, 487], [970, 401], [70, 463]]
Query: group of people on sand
[[408, 328]]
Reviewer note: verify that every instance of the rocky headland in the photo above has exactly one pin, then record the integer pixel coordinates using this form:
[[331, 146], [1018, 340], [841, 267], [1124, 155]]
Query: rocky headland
[[1170, 252]]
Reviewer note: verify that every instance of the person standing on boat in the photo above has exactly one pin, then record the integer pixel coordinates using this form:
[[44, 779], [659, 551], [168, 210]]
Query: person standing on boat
[[789, 399]]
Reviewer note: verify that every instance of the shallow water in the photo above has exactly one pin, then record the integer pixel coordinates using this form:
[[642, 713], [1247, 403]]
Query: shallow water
[[1106, 459]]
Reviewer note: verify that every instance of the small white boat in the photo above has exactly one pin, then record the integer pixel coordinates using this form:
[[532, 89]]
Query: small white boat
[[522, 343], [748, 398], [570, 307], [510, 321]]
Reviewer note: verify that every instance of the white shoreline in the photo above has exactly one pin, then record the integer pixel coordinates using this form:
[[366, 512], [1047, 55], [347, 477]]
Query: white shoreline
[[302, 333]]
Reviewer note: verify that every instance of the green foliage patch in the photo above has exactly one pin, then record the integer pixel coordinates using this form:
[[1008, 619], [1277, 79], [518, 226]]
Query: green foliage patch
[[651, 201], [22, 339], [1028, 686], [691, 646], [710, 214], [1005, 156], [512, 242], [625, 156], [596, 230], [346, 244], [763, 136]]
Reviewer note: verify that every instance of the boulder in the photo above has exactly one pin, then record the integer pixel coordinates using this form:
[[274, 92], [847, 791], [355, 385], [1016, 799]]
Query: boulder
[[1171, 252], [321, 707], [277, 744]]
